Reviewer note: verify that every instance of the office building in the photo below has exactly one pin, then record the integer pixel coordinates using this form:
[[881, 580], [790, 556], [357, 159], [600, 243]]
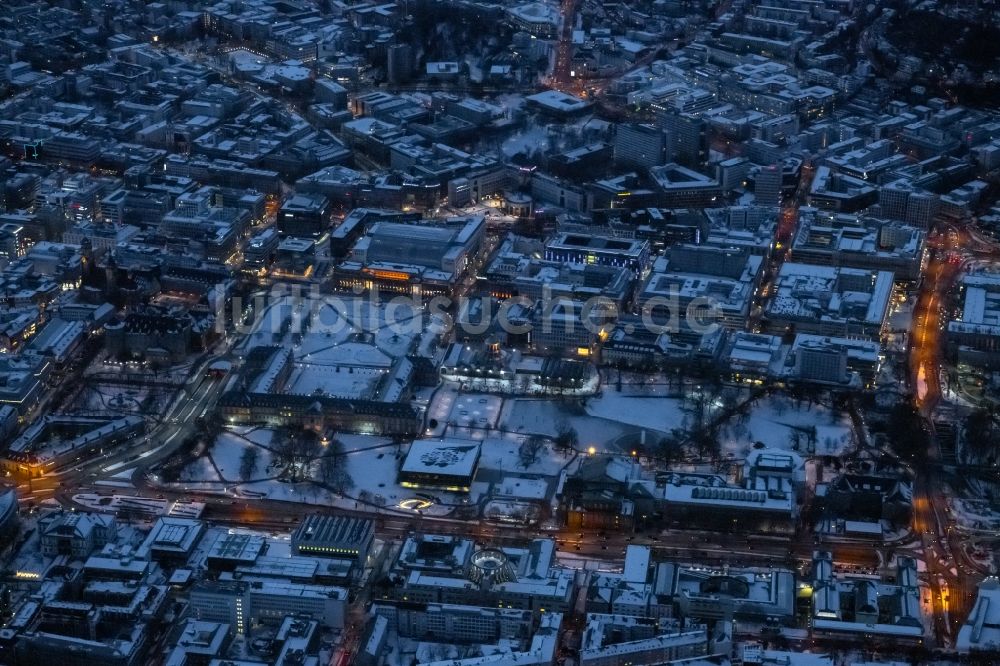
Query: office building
[[687, 139], [844, 606], [852, 242], [715, 285], [306, 216], [767, 185], [830, 301], [676, 186], [600, 250], [639, 146], [248, 603], [974, 335]]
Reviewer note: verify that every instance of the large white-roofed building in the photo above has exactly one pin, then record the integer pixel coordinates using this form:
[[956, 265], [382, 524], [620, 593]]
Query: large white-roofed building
[[448, 463], [422, 260]]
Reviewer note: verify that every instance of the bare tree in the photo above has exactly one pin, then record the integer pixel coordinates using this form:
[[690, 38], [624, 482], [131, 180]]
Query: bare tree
[[670, 448], [332, 468], [779, 406], [795, 440], [566, 436], [529, 450], [697, 408], [248, 463], [295, 449], [812, 438], [708, 444]]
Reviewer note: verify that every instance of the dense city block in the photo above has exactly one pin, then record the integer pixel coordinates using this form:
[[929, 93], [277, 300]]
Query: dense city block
[[499, 333]]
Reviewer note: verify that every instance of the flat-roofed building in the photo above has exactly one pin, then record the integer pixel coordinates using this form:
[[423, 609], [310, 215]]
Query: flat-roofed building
[[866, 243], [713, 499], [172, 539], [540, 19], [974, 335], [456, 623], [845, 607], [981, 631], [244, 604], [230, 550], [515, 270], [448, 464], [259, 253], [829, 301], [680, 187], [436, 569], [422, 260], [22, 380], [839, 192], [626, 640], [339, 537], [826, 360], [558, 104], [576, 248], [718, 283], [639, 146], [304, 215], [708, 593]]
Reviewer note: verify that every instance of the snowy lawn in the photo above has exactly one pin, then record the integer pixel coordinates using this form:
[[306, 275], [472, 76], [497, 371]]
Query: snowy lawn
[[545, 417], [779, 422], [199, 471], [228, 451], [643, 411], [503, 454]]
